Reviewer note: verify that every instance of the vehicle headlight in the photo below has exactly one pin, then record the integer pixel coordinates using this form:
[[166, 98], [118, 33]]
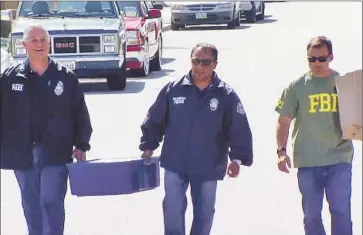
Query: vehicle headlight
[[17, 44], [177, 7], [226, 5], [110, 43], [109, 49], [109, 38]]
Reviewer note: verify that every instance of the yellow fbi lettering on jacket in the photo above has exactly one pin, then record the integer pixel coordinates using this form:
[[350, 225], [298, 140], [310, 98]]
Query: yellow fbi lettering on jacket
[[323, 103], [280, 104]]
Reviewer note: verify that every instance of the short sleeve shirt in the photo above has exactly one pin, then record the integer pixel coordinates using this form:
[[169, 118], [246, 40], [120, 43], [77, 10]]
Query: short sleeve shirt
[[317, 135]]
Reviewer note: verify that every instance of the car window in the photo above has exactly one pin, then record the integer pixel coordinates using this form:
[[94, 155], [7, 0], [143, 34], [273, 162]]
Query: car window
[[130, 8], [61, 8], [149, 5]]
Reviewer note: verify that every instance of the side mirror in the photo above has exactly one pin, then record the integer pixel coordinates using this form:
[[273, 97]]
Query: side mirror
[[158, 6], [154, 13]]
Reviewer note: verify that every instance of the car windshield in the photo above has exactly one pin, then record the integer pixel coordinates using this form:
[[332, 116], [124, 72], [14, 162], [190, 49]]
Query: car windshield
[[60, 8], [131, 8]]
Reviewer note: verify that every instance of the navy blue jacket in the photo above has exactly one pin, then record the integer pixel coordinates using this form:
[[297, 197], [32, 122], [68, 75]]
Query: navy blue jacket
[[198, 128], [48, 109]]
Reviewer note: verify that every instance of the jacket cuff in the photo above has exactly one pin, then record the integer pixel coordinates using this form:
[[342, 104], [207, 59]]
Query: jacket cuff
[[239, 162], [83, 148], [148, 146]]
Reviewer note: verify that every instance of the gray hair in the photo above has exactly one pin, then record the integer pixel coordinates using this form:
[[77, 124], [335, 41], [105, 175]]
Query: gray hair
[[30, 28]]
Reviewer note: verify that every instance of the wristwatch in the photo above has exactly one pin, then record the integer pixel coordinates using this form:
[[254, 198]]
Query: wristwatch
[[283, 149]]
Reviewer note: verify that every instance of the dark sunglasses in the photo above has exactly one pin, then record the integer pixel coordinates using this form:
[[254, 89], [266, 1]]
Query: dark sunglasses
[[313, 59], [203, 62]]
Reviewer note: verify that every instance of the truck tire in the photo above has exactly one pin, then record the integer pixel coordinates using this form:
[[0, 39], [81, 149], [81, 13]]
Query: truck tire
[[175, 27], [157, 61], [252, 14], [117, 81]]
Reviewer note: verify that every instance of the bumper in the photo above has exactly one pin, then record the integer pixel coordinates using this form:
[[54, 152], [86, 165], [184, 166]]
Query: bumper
[[135, 55], [88, 66], [222, 17]]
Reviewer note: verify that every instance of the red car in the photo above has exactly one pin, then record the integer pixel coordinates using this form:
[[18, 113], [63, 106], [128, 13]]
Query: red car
[[144, 37]]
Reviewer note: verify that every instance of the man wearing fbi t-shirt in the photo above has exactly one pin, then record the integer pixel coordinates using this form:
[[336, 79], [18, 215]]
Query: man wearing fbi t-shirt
[[323, 158]]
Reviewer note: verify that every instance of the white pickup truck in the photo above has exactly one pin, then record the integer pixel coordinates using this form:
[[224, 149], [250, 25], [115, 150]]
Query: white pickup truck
[[86, 36]]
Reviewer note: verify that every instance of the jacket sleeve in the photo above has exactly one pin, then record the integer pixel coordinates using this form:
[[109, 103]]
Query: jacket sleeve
[[154, 124], [82, 122], [237, 131]]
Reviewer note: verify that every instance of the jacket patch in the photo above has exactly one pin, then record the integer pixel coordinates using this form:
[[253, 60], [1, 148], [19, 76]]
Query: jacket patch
[[213, 105], [240, 108], [179, 100], [17, 87], [58, 90]]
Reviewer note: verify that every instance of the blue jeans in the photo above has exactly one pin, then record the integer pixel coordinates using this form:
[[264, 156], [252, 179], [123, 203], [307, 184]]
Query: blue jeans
[[175, 204], [43, 189], [336, 181]]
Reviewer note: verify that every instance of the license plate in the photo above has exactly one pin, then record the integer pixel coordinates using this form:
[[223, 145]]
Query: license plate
[[68, 63], [201, 15]]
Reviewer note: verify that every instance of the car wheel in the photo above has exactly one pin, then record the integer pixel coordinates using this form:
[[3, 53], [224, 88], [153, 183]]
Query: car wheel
[[144, 71], [238, 19], [117, 81], [157, 61], [261, 16], [251, 15], [233, 23], [175, 27]]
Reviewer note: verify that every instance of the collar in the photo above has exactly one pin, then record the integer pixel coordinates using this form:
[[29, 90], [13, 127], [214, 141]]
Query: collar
[[216, 82], [28, 70]]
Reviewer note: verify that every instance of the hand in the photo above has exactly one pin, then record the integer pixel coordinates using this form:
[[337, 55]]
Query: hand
[[284, 163], [146, 155], [79, 155], [233, 169]]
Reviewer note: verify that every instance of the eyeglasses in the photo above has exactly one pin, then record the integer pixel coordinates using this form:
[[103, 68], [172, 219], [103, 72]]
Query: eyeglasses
[[313, 59], [203, 62]]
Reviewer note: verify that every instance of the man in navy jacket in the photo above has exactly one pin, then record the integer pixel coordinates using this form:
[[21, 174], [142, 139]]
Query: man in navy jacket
[[44, 121], [200, 118]]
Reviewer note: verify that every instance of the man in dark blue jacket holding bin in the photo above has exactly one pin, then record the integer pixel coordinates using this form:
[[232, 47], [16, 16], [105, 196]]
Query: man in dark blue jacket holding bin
[[201, 117]]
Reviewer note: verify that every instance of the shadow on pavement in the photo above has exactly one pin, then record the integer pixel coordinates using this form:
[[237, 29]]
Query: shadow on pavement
[[267, 20], [99, 87], [160, 74], [168, 60], [155, 74], [212, 28]]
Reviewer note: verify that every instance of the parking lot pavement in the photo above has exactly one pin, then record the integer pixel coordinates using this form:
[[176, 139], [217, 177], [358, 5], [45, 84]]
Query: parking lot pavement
[[258, 61], [166, 14]]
